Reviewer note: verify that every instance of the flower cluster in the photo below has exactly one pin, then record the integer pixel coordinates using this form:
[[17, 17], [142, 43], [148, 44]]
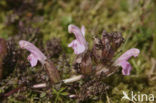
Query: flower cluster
[[102, 53], [109, 44]]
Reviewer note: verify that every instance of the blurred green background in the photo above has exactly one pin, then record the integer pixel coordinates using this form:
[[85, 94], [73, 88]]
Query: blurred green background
[[136, 19]]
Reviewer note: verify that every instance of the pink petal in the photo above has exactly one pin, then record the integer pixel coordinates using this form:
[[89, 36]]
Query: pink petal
[[83, 30], [78, 34], [78, 48], [33, 50], [79, 45], [128, 54], [33, 60], [123, 60], [126, 68], [72, 43]]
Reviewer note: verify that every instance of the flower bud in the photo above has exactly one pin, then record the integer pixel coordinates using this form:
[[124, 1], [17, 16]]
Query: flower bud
[[52, 72], [104, 48], [97, 50], [86, 64]]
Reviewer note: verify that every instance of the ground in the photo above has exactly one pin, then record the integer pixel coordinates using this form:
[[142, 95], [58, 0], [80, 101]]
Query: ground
[[45, 23]]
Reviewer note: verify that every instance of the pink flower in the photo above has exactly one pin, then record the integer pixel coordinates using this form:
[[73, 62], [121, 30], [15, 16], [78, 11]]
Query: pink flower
[[123, 60], [79, 44], [35, 54]]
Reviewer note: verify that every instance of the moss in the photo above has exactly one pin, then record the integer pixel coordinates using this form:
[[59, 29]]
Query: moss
[[39, 21]]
